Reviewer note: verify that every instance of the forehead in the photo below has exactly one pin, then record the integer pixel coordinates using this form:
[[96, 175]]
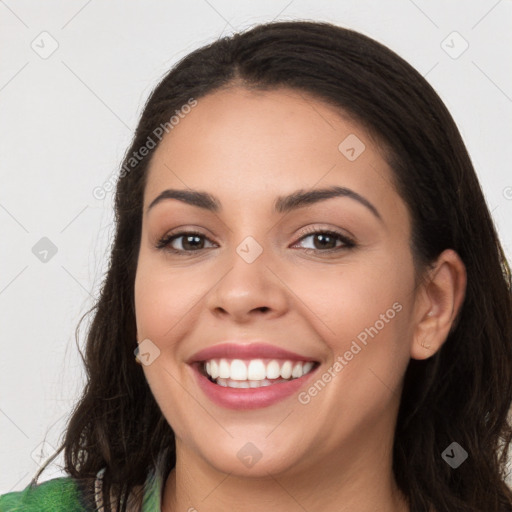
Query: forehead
[[243, 144]]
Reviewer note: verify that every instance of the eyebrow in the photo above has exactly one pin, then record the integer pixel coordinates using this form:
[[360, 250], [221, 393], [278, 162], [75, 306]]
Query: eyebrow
[[282, 204]]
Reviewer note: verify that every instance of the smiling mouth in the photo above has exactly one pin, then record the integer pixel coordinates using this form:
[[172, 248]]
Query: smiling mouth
[[254, 373]]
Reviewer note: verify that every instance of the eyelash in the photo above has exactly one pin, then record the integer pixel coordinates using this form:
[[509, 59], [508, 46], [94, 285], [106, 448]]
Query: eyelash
[[348, 243]]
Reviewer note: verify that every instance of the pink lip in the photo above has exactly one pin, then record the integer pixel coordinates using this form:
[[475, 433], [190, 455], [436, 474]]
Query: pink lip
[[248, 398], [246, 351]]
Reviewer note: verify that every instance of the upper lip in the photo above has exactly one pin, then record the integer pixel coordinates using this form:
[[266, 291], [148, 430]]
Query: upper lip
[[255, 350]]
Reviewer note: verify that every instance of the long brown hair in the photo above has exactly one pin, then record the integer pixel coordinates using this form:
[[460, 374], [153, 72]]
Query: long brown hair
[[463, 393]]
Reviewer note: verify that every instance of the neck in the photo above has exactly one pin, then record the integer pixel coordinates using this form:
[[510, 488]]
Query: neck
[[345, 481]]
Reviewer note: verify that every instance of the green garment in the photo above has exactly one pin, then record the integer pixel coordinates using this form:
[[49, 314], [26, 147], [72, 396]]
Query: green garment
[[66, 494]]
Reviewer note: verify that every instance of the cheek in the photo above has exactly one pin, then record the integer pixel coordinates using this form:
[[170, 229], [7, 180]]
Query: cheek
[[162, 299], [345, 301], [362, 312]]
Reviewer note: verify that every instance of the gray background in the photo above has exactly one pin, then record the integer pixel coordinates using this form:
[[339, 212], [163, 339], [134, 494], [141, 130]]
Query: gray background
[[66, 119]]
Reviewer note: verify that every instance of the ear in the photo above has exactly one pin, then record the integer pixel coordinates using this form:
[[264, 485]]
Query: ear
[[438, 300]]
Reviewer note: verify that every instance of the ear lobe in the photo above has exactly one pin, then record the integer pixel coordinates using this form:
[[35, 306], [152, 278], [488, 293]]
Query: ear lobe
[[423, 341], [438, 302]]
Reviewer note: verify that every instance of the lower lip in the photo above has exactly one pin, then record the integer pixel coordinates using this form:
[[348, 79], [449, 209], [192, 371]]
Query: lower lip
[[249, 398]]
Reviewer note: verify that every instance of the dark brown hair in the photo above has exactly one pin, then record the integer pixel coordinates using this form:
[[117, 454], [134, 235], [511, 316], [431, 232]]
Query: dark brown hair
[[463, 393]]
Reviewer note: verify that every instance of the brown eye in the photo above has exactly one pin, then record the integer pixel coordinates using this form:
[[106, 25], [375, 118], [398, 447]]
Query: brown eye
[[190, 242], [325, 241]]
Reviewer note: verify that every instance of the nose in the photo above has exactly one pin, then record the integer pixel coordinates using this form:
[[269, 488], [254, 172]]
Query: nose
[[249, 290]]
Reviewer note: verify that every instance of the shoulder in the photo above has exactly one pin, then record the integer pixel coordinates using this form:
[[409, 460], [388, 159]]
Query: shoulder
[[62, 494]]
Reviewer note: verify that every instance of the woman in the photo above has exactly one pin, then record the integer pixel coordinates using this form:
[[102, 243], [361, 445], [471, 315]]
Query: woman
[[309, 277]]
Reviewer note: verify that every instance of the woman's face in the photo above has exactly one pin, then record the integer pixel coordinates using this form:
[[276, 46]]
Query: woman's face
[[330, 280]]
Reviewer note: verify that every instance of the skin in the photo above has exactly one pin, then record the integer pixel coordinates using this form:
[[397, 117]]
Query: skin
[[333, 453]]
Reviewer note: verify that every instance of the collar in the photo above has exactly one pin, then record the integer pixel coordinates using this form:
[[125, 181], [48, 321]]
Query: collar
[[153, 488]]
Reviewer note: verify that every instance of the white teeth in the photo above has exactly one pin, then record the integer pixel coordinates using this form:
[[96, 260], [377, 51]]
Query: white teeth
[[238, 370], [297, 370], [214, 369], [273, 370], [224, 369], [255, 370], [306, 368], [229, 383], [286, 370]]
